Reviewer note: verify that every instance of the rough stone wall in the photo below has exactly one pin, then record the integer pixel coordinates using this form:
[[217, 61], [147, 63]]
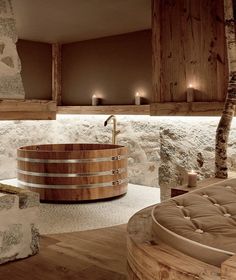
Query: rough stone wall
[[140, 134], [173, 145], [11, 86], [19, 234], [190, 144], [187, 144]]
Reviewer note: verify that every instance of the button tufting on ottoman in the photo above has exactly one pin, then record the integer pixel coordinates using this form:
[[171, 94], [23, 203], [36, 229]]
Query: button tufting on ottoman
[[213, 214]]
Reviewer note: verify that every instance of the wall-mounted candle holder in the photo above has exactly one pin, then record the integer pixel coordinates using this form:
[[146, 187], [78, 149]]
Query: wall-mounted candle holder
[[190, 93]]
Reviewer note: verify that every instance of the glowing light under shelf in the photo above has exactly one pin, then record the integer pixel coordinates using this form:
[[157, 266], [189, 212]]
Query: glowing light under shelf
[[144, 118]]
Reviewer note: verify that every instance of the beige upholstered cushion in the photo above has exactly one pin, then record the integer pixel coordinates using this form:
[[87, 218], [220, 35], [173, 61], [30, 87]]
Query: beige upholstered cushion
[[206, 216]]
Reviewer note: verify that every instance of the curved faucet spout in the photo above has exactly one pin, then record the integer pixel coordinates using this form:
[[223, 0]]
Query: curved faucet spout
[[109, 119], [114, 131]]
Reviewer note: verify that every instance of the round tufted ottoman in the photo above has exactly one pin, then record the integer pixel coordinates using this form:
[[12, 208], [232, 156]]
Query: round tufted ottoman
[[201, 224]]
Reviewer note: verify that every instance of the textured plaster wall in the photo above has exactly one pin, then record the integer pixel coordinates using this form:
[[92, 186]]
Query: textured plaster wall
[[172, 144]]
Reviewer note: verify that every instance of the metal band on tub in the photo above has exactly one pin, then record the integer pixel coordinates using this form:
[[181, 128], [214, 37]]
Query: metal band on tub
[[84, 160], [74, 187]]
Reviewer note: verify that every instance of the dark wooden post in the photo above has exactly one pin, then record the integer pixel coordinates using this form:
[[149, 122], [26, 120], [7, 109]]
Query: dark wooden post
[[56, 73]]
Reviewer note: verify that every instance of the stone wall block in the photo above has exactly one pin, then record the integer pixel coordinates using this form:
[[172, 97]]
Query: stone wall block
[[3, 7], [19, 233], [144, 174], [10, 196], [6, 9], [186, 145], [10, 237], [11, 86], [28, 199], [7, 28], [35, 239], [8, 201]]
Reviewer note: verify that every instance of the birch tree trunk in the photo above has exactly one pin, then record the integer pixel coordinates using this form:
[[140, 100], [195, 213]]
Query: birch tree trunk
[[223, 129]]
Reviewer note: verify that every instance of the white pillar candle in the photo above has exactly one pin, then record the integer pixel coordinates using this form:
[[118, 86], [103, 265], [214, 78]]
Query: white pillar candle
[[137, 98], [94, 100], [192, 179], [190, 93]]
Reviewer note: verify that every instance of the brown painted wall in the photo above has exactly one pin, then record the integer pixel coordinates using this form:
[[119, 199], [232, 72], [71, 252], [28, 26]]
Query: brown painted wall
[[36, 61], [113, 67]]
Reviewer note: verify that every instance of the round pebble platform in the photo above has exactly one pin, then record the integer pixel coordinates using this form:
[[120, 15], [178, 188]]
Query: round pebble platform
[[60, 218]]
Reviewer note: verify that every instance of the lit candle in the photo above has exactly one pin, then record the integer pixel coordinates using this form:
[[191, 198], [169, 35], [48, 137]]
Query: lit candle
[[94, 100], [190, 93], [192, 179], [137, 98]]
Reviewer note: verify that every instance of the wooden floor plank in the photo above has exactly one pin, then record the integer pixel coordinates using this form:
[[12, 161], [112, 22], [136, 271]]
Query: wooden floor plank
[[95, 254]]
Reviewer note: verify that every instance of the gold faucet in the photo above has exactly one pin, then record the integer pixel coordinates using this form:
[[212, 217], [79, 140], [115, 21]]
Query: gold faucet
[[114, 131]]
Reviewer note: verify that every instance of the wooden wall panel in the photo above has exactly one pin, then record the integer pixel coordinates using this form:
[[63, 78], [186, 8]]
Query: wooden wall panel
[[156, 52], [188, 48]]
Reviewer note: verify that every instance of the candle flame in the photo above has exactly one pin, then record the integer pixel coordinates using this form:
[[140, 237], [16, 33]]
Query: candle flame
[[190, 85], [94, 96], [137, 94]]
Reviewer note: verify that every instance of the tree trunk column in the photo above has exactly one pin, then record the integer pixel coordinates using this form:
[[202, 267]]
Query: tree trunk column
[[223, 129]]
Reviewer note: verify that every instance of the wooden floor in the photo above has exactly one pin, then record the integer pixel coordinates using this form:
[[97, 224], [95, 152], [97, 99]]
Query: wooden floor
[[96, 255]]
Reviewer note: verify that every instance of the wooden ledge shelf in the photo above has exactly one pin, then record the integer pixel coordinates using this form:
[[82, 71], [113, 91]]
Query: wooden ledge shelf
[[155, 109], [108, 110], [27, 110], [186, 109], [47, 109]]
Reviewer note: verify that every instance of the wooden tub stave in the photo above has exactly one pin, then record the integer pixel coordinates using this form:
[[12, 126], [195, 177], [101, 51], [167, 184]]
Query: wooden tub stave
[[73, 171], [72, 168]]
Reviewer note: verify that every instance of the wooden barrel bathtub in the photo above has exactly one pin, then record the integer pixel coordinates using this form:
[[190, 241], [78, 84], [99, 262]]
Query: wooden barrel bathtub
[[73, 172]]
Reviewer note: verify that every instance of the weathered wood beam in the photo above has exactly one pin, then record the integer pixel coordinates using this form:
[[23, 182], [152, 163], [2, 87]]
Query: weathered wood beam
[[27, 110], [56, 73], [113, 109], [186, 109], [155, 109], [156, 51], [8, 116], [27, 105], [223, 129]]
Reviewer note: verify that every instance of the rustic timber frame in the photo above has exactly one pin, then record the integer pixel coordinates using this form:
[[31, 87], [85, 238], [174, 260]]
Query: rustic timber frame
[[37, 109], [190, 50], [27, 110]]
